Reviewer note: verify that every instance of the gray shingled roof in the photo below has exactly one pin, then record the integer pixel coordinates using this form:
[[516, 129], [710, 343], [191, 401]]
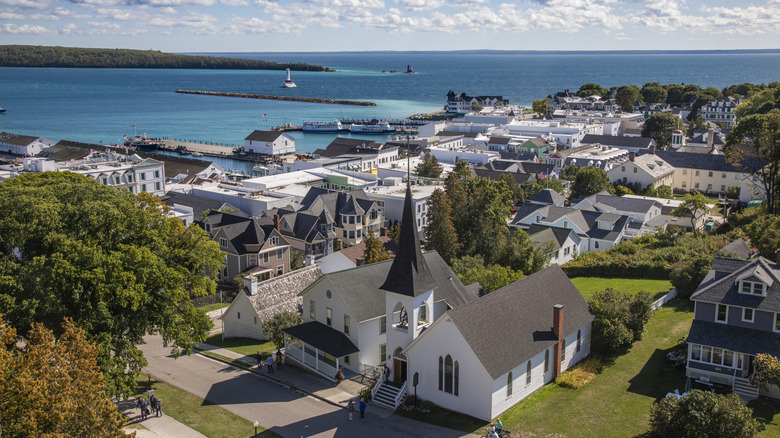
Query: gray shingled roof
[[324, 338], [542, 234], [549, 197], [511, 325], [613, 140], [738, 247], [622, 203], [712, 162], [740, 339], [719, 285], [586, 220], [280, 294], [264, 135], [360, 287], [198, 204], [16, 139]]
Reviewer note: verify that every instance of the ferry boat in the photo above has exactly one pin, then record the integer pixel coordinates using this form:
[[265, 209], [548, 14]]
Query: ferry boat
[[378, 128], [142, 143], [288, 83], [324, 127]]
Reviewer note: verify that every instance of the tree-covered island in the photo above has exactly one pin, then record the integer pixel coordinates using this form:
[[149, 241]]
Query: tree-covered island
[[77, 57]]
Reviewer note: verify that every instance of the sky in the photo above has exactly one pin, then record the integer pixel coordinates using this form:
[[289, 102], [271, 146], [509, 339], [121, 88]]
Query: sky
[[357, 25]]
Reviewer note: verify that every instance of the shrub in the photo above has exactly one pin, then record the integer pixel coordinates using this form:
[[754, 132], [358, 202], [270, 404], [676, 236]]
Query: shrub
[[686, 275], [620, 319], [702, 414], [581, 374]]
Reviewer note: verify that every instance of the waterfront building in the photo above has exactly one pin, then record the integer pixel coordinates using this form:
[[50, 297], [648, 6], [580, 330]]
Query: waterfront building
[[462, 103], [23, 145], [721, 111], [269, 143]]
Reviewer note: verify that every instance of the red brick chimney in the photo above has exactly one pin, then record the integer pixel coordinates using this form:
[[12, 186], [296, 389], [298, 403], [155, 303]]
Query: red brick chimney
[[338, 245], [631, 156], [558, 332], [651, 149], [276, 222]]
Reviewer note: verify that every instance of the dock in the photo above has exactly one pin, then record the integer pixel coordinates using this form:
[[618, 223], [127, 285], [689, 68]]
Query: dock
[[288, 98]]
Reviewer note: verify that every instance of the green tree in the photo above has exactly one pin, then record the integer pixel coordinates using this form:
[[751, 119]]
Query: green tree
[[702, 414], [274, 327], [766, 371], [113, 262], [374, 250], [532, 187], [664, 191], [687, 274], [757, 137], [591, 89], [674, 94], [481, 225], [53, 387], [297, 260], [590, 180], [659, 127], [394, 232], [429, 167], [620, 319], [653, 92], [540, 106], [472, 269], [733, 192], [695, 206], [626, 96], [521, 254], [476, 107], [761, 101], [440, 234]]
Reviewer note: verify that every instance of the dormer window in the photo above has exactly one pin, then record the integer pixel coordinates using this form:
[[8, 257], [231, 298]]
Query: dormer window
[[752, 287]]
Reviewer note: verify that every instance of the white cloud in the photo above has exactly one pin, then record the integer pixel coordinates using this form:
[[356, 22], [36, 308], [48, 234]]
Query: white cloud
[[34, 4], [10, 28], [235, 2]]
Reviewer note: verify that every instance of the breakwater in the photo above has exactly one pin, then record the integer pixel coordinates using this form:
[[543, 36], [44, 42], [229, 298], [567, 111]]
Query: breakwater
[[289, 98]]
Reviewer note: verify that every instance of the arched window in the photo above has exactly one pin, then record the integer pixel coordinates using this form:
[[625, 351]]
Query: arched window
[[423, 315], [546, 360], [579, 341], [448, 374], [441, 373], [528, 373], [509, 385], [457, 377]]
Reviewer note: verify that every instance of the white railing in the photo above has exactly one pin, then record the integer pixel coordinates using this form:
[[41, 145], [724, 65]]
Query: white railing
[[398, 396], [376, 388], [664, 299]]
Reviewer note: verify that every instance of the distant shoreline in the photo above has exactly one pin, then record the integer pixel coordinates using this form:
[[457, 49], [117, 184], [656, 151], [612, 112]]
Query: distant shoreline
[[517, 52]]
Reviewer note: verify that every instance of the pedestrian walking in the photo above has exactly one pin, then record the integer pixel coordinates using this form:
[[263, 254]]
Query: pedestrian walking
[[362, 408], [158, 407], [270, 363], [386, 373], [141, 403], [278, 359], [351, 409], [259, 359]]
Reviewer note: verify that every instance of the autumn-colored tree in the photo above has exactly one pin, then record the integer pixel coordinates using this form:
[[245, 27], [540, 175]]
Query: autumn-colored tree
[[440, 234], [766, 371], [53, 387], [375, 251]]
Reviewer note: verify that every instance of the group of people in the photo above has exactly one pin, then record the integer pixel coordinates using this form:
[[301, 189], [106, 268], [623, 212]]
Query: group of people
[[270, 360], [351, 408], [495, 430], [153, 405]]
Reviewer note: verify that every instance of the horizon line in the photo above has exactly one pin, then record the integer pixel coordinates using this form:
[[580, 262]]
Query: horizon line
[[502, 51]]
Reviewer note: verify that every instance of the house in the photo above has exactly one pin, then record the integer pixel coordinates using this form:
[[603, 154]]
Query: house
[[198, 205], [485, 356], [629, 143], [269, 143], [738, 248], [646, 213], [249, 243], [712, 174], [259, 301], [24, 145], [307, 232], [596, 230], [646, 170], [462, 103], [721, 111], [560, 244], [414, 316], [547, 197], [353, 214], [736, 317], [390, 197], [603, 157], [351, 257]]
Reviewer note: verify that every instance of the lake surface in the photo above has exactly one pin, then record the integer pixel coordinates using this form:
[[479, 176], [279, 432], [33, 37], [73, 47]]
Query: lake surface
[[93, 105]]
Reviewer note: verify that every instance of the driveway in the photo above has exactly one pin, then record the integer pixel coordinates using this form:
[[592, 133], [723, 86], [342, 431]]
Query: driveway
[[275, 407]]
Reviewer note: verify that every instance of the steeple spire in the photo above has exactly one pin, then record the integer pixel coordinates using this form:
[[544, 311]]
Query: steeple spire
[[409, 274]]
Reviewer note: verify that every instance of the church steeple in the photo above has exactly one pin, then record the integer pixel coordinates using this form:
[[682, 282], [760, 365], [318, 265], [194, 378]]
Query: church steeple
[[409, 274]]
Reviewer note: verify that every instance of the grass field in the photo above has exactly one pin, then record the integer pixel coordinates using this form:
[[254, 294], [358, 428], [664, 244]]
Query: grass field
[[245, 346], [590, 285], [207, 418], [214, 306], [617, 402]]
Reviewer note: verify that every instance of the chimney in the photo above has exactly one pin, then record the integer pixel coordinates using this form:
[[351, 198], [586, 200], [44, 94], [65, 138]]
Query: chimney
[[360, 261], [276, 222], [631, 156], [338, 245], [558, 332], [777, 257], [651, 149], [711, 139]]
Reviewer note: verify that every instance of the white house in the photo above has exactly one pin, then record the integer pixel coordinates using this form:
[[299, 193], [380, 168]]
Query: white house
[[644, 169], [561, 244], [485, 356], [23, 145], [269, 143]]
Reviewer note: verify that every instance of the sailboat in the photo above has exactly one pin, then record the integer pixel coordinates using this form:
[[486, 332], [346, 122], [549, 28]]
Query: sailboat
[[288, 83]]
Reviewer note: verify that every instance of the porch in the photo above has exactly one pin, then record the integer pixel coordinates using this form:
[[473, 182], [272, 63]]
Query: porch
[[319, 348]]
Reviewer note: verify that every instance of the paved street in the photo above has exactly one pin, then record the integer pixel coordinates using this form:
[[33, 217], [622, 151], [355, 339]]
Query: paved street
[[277, 408]]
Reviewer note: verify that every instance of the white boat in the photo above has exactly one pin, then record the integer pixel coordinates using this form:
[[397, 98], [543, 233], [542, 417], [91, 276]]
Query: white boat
[[324, 127], [379, 128], [2, 110], [288, 83]]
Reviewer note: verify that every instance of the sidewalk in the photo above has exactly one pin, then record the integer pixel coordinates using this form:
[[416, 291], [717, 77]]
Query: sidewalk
[[305, 382], [155, 427]]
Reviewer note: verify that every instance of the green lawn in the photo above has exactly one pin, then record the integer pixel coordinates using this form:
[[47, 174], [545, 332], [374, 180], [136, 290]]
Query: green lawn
[[214, 306], [590, 285], [207, 418], [245, 346]]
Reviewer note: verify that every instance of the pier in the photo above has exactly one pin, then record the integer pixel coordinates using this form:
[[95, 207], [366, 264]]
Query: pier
[[288, 98]]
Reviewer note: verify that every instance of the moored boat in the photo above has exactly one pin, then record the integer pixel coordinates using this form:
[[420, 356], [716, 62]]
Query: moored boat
[[378, 128], [142, 143], [2, 110], [324, 127]]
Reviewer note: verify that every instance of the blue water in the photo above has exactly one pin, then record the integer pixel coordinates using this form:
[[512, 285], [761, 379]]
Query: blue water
[[93, 105]]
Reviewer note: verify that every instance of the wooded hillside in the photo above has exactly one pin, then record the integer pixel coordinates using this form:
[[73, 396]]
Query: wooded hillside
[[75, 57]]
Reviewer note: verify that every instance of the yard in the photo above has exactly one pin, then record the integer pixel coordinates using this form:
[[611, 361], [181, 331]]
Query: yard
[[617, 403], [245, 346], [590, 285]]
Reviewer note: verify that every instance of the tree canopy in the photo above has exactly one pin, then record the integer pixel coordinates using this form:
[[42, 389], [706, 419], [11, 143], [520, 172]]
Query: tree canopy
[[695, 206], [626, 96], [659, 127], [591, 89], [589, 181], [113, 262], [620, 318], [539, 106], [53, 387], [702, 414], [429, 167], [374, 250], [274, 327], [440, 234]]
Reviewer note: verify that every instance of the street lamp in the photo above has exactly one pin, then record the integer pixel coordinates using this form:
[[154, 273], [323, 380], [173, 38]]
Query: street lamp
[[257, 423]]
